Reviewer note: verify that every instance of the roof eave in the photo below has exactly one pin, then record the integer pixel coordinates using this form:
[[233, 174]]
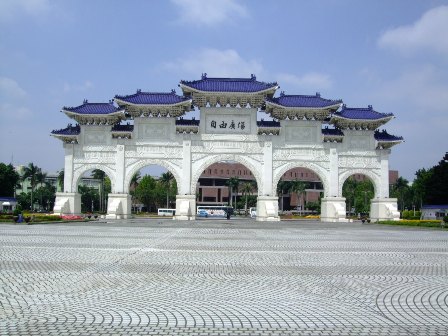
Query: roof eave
[[189, 89]]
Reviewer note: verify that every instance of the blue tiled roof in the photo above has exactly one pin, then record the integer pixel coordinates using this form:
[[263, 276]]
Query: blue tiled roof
[[153, 98], [361, 113], [315, 101], [384, 136], [229, 84], [268, 123], [441, 206], [122, 128], [331, 131], [93, 108], [187, 122], [69, 130], [8, 199]]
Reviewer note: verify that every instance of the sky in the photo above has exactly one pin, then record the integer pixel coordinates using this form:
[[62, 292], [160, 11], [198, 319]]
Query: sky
[[391, 54]]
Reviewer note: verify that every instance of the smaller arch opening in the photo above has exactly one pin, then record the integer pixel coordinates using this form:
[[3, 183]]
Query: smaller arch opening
[[358, 190], [153, 188], [94, 186]]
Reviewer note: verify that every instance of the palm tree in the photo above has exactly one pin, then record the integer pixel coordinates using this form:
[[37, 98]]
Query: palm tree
[[282, 188], [100, 175], [40, 179], [31, 171], [166, 181], [400, 187], [348, 191], [233, 183], [61, 179], [299, 188], [247, 189]]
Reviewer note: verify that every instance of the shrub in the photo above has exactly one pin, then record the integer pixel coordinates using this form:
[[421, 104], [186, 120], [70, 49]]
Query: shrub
[[445, 219], [415, 222]]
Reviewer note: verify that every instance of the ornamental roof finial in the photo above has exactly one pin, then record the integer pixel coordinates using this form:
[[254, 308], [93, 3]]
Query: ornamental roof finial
[[318, 94], [344, 105], [370, 107], [173, 91], [253, 77], [204, 75], [139, 90], [85, 101], [282, 93]]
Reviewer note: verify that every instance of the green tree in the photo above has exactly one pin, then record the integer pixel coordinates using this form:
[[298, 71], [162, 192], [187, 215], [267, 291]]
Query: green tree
[[61, 180], [247, 188], [100, 175], [23, 199], [283, 187], [166, 180], [32, 173], [299, 187], [146, 191], [437, 184], [348, 191], [400, 189], [233, 184], [90, 198], [9, 180], [46, 195]]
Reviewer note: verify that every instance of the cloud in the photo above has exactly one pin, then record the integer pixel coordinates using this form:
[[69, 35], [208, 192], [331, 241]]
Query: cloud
[[423, 88], [209, 13], [216, 63], [9, 88], [10, 9], [87, 85], [10, 111], [312, 81], [427, 33]]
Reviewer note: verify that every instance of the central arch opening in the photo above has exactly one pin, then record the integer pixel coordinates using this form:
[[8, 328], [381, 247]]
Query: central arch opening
[[358, 190], [299, 191], [226, 184]]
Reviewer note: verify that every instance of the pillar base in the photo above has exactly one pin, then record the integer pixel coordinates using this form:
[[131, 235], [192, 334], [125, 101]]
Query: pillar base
[[119, 206], [267, 209], [333, 209], [384, 209], [67, 204], [185, 207]]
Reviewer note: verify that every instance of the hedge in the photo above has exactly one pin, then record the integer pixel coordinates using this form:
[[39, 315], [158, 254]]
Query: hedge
[[414, 222]]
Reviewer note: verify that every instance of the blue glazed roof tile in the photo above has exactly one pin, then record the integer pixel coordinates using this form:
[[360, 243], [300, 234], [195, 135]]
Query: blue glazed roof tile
[[122, 128], [187, 122], [268, 123], [361, 113], [384, 136], [69, 130], [248, 85], [315, 101], [153, 98], [93, 108], [332, 131]]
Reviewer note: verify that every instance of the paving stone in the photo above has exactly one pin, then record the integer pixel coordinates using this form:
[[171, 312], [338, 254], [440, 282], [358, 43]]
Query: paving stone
[[218, 277]]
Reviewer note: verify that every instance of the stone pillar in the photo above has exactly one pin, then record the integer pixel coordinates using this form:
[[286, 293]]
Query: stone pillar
[[333, 209], [267, 209], [119, 206], [185, 207], [69, 201], [267, 203], [382, 207], [185, 202], [333, 204], [119, 170], [68, 167]]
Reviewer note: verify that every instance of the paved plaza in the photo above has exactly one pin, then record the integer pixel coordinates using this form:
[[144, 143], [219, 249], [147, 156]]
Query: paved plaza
[[218, 277]]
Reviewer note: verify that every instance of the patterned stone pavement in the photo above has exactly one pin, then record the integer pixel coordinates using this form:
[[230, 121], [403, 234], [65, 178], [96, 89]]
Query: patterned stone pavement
[[218, 277]]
